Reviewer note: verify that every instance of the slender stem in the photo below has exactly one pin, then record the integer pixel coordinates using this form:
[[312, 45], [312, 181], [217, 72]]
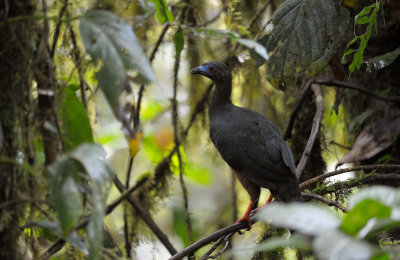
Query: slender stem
[[350, 169], [57, 29], [314, 130], [324, 200]]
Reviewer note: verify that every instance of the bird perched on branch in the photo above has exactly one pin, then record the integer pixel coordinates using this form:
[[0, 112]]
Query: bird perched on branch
[[249, 143]]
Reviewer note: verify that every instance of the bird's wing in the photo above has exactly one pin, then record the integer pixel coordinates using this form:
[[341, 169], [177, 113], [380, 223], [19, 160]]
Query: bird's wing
[[271, 134]]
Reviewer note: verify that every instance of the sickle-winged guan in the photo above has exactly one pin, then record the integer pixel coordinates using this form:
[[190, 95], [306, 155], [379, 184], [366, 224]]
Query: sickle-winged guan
[[249, 143]]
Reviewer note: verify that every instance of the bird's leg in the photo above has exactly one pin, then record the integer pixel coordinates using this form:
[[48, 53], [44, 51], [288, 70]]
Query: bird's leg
[[254, 211], [246, 216]]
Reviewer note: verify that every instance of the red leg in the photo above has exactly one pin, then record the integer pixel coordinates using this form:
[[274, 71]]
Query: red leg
[[246, 216], [269, 199]]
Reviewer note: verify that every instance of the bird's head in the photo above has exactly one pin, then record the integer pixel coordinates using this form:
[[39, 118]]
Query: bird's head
[[214, 70]]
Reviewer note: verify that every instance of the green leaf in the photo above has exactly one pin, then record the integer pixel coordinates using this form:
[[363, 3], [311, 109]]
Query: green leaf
[[75, 124], [303, 39], [111, 39], [178, 42], [362, 213], [65, 193], [386, 195], [381, 61], [366, 10], [162, 12], [305, 218], [255, 46], [92, 157], [336, 245], [363, 20]]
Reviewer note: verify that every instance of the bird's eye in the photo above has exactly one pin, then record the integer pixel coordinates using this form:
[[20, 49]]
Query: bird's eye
[[211, 68]]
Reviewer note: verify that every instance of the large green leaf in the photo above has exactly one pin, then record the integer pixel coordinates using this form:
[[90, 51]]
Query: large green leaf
[[76, 128], [362, 213], [93, 159], [111, 39], [336, 245], [65, 193], [305, 35], [305, 218]]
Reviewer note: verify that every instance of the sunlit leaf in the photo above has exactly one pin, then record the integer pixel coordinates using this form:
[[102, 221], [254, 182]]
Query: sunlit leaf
[[255, 46], [303, 39], [336, 245], [162, 12], [362, 213], [305, 218], [76, 128], [111, 39]]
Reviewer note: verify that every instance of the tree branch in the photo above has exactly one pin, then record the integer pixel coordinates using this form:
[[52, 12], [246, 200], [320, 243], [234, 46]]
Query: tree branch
[[324, 200], [314, 130], [341, 84], [350, 169]]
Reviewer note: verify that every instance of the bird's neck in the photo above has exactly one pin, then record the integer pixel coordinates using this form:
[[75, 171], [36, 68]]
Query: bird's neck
[[222, 94]]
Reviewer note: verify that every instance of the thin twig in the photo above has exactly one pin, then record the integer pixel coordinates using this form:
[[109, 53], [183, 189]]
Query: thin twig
[[259, 13], [324, 200], [332, 82], [208, 255], [25, 200], [175, 120], [350, 169], [146, 218], [288, 132], [211, 238], [314, 130], [57, 29], [340, 145]]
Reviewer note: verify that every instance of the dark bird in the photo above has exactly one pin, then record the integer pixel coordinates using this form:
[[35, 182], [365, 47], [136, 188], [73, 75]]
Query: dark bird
[[249, 143]]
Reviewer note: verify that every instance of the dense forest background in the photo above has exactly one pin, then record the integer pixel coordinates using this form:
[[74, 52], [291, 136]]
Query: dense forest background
[[104, 146]]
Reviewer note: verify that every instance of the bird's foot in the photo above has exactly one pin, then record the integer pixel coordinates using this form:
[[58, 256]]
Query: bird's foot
[[254, 211], [245, 218]]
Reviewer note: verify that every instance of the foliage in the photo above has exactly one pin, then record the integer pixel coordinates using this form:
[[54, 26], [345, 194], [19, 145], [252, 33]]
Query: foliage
[[372, 210], [367, 16], [297, 44]]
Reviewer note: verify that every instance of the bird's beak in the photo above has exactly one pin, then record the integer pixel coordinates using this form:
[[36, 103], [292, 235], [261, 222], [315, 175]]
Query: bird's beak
[[196, 70]]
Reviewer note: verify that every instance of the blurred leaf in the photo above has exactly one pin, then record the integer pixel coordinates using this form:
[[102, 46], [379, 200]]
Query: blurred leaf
[[92, 158], [151, 109], [358, 120], [362, 213], [134, 143], [336, 245], [193, 171], [55, 228], [179, 225], [65, 193], [305, 218], [376, 225], [297, 241], [305, 35], [153, 152], [178, 42], [162, 12], [386, 195], [381, 61], [76, 128], [108, 37], [255, 46]]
